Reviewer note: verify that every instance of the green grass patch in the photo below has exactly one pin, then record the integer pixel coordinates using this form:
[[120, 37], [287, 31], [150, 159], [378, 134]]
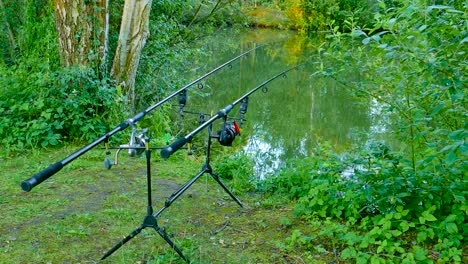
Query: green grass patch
[[82, 211]]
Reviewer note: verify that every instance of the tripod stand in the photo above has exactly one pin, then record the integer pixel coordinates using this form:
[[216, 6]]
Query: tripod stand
[[150, 219]]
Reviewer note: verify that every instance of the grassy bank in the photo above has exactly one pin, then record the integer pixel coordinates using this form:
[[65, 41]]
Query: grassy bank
[[82, 211]]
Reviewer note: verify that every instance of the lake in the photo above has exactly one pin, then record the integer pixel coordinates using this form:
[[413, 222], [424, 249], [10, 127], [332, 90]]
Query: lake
[[294, 113]]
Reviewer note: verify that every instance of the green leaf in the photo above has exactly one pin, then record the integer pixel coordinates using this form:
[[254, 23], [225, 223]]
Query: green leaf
[[423, 27], [460, 134], [422, 220], [430, 8], [396, 233], [420, 253], [362, 258], [451, 218], [381, 248], [348, 253], [451, 158], [451, 228], [437, 109], [357, 33], [421, 237], [427, 216], [397, 216], [404, 226], [375, 260]]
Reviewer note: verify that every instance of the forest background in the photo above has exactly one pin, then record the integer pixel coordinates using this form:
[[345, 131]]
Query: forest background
[[67, 79]]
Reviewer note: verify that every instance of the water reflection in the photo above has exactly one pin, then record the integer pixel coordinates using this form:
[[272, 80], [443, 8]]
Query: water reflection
[[297, 112], [267, 158]]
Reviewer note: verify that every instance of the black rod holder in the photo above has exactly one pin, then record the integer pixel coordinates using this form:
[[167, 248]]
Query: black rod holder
[[149, 220]]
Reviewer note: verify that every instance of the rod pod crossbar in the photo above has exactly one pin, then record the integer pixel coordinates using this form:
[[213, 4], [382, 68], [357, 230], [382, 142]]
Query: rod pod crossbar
[[43, 175], [176, 145]]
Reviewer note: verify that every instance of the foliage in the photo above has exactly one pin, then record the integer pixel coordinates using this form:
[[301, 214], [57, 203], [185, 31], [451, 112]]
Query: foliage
[[41, 109], [43, 104], [402, 206], [317, 15], [238, 169], [384, 214]]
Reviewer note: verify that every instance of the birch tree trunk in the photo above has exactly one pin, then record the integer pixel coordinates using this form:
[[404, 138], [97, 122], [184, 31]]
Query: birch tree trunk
[[134, 31], [82, 28]]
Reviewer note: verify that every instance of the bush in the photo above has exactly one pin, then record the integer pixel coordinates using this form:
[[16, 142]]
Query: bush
[[238, 169], [316, 15], [41, 109], [384, 211], [401, 206]]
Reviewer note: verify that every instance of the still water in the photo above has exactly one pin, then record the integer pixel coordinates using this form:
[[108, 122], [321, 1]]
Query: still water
[[294, 113]]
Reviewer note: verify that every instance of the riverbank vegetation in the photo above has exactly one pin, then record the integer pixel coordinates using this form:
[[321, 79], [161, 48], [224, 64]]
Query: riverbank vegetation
[[377, 203]]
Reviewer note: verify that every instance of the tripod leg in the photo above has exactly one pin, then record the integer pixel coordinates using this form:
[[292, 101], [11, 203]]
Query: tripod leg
[[121, 243], [226, 189], [164, 235]]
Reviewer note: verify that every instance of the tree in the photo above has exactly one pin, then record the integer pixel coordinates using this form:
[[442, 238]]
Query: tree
[[82, 29], [134, 31]]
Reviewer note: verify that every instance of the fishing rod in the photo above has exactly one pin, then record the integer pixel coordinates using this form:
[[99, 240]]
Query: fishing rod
[[228, 133], [43, 175]]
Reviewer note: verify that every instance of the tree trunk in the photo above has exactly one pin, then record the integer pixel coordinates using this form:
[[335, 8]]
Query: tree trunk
[[82, 28], [134, 31]]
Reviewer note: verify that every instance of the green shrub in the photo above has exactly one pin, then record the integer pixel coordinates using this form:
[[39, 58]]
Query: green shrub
[[316, 15], [384, 212], [41, 109], [407, 205], [238, 169]]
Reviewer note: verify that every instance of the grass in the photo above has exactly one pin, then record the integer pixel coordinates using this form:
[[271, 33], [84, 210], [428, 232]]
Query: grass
[[81, 212]]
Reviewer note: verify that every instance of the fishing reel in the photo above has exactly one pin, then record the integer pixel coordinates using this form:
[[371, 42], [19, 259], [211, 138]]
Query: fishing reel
[[137, 142], [136, 146], [228, 133]]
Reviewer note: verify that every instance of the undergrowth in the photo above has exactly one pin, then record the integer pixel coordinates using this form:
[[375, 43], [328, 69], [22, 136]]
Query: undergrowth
[[372, 208], [392, 204]]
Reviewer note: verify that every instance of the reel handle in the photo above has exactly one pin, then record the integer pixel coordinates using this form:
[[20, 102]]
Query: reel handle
[[168, 151], [39, 177]]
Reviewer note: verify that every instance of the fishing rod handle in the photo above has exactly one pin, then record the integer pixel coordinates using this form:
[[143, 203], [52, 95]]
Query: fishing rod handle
[[39, 177], [168, 151]]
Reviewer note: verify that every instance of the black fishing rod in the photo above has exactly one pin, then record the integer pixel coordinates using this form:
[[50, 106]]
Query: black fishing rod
[[36, 179], [168, 151]]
